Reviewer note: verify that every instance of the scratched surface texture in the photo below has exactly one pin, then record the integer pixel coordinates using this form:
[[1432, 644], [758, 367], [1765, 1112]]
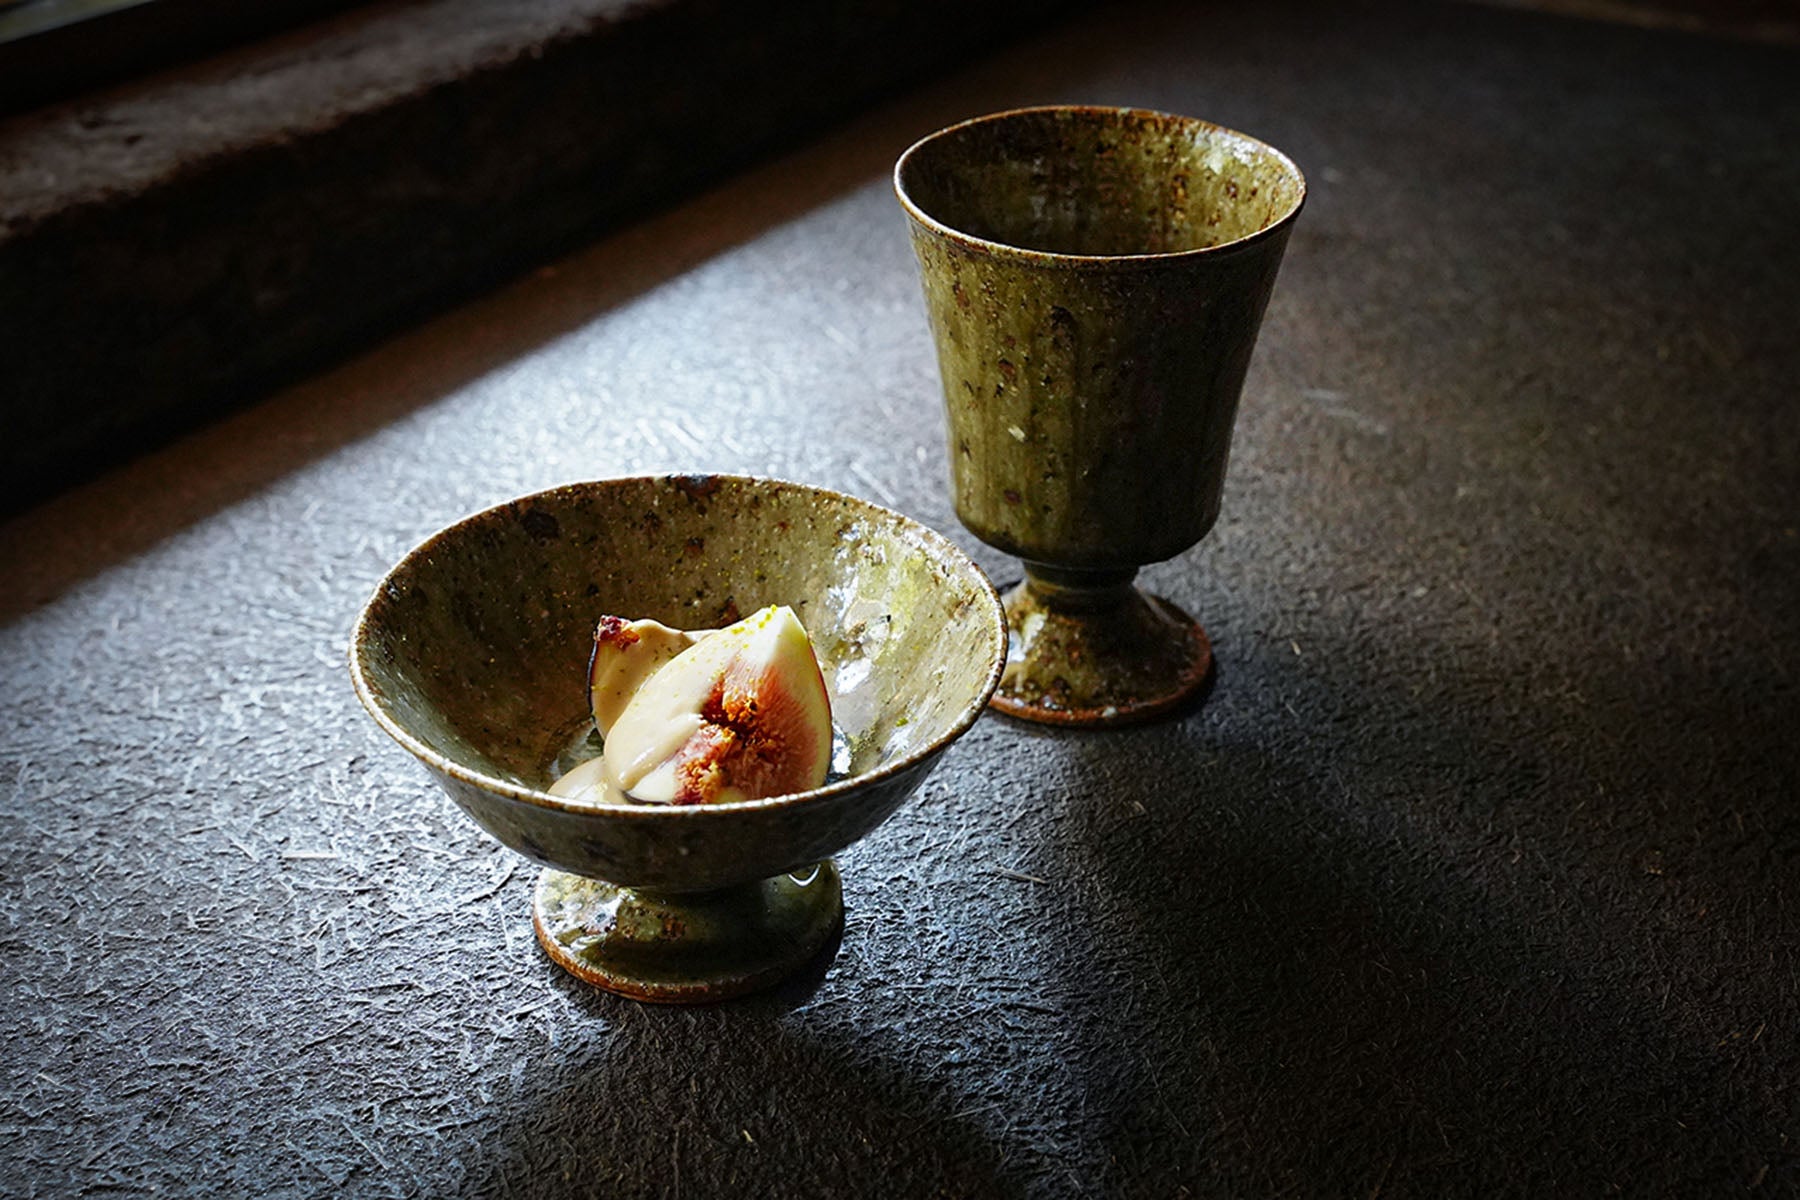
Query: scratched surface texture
[[1478, 872]]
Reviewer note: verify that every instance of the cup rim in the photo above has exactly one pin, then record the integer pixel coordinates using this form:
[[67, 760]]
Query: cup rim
[[1093, 261], [964, 720]]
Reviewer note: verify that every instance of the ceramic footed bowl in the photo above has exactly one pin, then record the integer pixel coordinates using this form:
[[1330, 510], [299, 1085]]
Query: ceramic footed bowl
[[473, 654]]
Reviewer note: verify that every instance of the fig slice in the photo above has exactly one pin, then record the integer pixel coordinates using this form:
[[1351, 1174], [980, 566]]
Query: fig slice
[[626, 653], [740, 715]]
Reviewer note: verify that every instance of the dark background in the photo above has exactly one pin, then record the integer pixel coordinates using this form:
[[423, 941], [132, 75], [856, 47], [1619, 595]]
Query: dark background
[[1476, 874]]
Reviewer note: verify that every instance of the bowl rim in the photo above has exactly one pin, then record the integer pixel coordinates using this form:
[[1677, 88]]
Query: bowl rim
[[1052, 258], [366, 692]]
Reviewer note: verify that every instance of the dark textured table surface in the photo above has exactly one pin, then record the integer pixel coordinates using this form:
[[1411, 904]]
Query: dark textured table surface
[[1478, 872]]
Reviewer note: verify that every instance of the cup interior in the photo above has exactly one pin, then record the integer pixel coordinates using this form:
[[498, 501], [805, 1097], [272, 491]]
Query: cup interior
[[1099, 182]]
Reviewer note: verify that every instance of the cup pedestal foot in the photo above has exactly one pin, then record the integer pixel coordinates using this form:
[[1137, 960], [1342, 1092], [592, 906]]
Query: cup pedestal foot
[[1090, 649], [686, 948]]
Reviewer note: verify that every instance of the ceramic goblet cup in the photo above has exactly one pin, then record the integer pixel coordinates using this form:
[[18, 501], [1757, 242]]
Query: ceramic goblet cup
[[473, 654], [1095, 279]]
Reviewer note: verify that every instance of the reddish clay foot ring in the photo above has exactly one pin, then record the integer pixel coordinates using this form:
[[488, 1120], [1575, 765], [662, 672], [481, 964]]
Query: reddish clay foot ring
[[691, 948], [1100, 669]]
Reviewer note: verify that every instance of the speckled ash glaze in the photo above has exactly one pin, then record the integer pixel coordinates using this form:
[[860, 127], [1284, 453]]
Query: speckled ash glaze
[[473, 654], [1094, 279]]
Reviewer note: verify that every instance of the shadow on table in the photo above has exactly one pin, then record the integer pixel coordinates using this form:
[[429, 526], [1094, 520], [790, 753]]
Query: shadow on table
[[731, 1100], [1367, 973]]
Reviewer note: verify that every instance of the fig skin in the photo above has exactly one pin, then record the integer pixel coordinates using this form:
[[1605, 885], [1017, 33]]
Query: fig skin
[[740, 715]]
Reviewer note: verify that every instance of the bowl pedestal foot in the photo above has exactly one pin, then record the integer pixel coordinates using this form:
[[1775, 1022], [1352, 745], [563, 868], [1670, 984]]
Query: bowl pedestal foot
[[687, 947]]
